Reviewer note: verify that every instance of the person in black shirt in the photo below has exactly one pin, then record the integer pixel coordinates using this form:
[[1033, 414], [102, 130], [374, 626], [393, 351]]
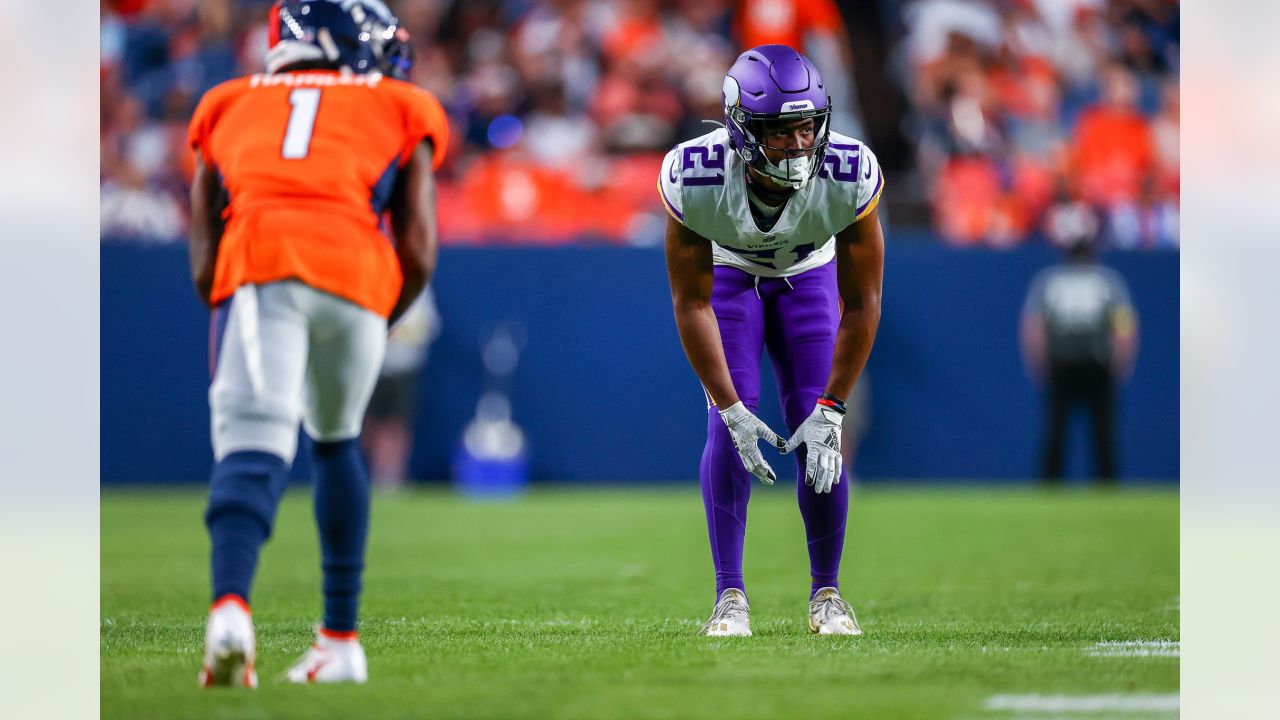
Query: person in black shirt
[[1079, 337]]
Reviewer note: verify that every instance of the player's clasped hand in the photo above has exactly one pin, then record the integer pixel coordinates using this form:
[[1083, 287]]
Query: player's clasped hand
[[745, 429], [820, 432]]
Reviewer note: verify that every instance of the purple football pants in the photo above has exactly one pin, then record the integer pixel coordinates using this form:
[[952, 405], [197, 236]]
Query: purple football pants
[[795, 319]]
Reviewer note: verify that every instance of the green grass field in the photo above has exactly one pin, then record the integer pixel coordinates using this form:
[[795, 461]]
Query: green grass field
[[587, 604]]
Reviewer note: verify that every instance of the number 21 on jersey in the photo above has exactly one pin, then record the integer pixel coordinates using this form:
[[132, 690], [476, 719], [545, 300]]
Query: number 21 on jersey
[[302, 123]]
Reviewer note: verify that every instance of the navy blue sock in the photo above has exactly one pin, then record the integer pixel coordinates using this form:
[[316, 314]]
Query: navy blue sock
[[244, 492], [342, 516]]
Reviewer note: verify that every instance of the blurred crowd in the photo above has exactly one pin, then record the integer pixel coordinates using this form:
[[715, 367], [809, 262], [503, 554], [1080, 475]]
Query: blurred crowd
[[1052, 115], [560, 110]]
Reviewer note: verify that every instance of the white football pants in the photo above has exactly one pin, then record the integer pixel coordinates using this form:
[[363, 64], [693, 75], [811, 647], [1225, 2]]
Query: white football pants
[[290, 352]]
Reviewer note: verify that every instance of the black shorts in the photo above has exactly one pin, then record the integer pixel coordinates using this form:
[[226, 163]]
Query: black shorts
[[395, 397]]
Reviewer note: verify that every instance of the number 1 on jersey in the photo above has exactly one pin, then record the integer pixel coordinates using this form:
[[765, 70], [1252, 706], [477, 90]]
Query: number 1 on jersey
[[302, 122]]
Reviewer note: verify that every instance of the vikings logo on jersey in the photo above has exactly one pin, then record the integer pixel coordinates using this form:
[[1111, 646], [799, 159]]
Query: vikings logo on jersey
[[703, 185]]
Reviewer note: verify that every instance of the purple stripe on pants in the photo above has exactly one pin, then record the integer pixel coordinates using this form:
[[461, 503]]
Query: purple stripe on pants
[[795, 319]]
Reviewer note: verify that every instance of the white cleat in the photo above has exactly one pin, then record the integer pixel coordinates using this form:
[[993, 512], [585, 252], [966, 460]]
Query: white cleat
[[829, 614], [731, 616], [335, 657], [229, 645]]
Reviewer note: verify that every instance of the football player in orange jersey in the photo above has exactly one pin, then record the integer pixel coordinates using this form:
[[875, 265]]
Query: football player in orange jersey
[[295, 168]]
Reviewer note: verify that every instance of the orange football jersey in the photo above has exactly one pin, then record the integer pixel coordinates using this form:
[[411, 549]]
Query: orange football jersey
[[785, 22], [308, 160]]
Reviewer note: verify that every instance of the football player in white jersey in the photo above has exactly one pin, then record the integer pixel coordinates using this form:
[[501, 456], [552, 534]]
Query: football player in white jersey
[[774, 243]]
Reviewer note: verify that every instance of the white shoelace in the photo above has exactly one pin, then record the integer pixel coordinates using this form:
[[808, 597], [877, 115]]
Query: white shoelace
[[730, 606], [827, 606]]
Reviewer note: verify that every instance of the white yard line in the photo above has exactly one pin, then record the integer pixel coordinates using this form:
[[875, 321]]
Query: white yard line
[[1137, 648], [1085, 703]]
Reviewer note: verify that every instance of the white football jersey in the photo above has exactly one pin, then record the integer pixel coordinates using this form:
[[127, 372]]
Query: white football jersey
[[703, 185]]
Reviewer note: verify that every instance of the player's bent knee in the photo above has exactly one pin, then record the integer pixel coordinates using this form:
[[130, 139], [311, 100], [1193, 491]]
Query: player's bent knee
[[253, 424], [275, 438]]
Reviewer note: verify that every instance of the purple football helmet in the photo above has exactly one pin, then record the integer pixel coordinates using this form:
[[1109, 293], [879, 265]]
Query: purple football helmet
[[769, 84]]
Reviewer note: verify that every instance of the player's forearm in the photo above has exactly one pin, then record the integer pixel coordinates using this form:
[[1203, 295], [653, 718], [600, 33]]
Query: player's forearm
[[700, 337], [417, 251], [854, 337], [860, 282], [413, 221], [690, 269], [417, 265], [205, 231], [409, 291], [203, 253]]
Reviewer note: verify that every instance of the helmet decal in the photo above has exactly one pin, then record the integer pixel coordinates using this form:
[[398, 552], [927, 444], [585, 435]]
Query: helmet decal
[[732, 93]]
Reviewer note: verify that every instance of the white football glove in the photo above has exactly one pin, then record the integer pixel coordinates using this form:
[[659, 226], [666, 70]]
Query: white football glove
[[820, 433], [745, 429]]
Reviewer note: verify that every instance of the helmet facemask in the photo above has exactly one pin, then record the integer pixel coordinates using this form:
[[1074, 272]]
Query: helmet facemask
[[398, 56]]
